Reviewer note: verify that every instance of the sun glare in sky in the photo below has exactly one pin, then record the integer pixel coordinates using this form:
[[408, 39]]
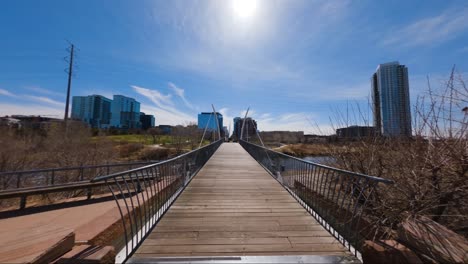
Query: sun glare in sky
[[244, 8]]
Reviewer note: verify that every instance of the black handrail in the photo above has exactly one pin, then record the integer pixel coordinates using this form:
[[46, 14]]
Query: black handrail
[[144, 194], [340, 200], [13, 180]]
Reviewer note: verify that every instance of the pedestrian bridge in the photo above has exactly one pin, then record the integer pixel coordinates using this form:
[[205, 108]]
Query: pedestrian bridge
[[233, 207], [240, 203]]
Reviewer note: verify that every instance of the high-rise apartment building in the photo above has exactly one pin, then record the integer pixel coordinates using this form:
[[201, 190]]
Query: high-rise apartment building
[[125, 112], [92, 109], [391, 101]]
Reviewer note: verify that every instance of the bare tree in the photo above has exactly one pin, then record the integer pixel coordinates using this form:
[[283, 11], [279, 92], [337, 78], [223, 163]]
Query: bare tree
[[155, 132]]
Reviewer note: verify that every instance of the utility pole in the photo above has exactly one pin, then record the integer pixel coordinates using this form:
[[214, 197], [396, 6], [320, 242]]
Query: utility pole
[[70, 73]]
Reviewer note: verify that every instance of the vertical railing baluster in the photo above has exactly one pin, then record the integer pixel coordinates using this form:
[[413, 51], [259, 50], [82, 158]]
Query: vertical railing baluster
[[133, 212], [18, 180], [142, 190], [337, 196], [137, 209], [121, 213]]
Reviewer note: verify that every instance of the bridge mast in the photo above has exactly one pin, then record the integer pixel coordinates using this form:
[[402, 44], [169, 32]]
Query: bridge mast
[[217, 121], [243, 122]]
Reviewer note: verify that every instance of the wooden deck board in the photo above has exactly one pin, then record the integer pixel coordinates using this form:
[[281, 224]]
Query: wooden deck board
[[233, 207]]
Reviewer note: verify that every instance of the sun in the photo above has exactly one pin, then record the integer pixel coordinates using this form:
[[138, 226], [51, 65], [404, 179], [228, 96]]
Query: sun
[[244, 8]]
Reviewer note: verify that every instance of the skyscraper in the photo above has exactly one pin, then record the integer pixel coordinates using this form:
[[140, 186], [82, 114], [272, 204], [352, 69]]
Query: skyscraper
[[125, 112], [207, 119], [391, 102], [92, 109]]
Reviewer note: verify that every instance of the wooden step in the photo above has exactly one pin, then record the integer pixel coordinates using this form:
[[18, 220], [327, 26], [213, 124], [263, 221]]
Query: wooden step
[[86, 254], [40, 245]]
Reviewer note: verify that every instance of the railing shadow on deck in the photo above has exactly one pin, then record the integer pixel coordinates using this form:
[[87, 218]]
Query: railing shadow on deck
[[144, 194], [338, 199]]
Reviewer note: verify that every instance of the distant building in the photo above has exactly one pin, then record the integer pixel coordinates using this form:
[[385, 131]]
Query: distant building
[[94, 110], [288, 137], [165, 129], [208, 120], [10, 122], [147, 121], [311, 138], [29, 122], [250, 128], [391, 101], [355, 132], [125, 112]]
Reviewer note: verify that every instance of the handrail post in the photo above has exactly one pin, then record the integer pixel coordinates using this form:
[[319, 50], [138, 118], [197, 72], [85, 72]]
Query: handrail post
[[23, 201], [18, 180], [81, 172]]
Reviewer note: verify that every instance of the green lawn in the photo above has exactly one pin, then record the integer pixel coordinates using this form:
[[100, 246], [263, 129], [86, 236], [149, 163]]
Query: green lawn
[[143, 139], [135, 138]]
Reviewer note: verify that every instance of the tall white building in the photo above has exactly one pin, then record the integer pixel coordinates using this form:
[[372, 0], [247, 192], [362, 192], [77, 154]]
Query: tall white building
[[391, 101]]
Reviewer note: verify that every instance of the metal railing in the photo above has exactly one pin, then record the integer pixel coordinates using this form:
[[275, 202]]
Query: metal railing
[[338, 199], [11, 180], [144, 194]]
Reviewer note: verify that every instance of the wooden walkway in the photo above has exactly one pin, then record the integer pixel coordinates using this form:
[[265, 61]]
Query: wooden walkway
[[233, 207]]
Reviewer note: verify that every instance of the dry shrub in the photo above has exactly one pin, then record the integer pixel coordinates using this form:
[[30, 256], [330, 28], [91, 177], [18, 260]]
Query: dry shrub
[[156, 154], [430, 170], [55, 146], [128, 150], [304, 150]]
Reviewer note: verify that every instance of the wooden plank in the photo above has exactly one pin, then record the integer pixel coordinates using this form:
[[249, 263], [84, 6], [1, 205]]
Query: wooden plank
[[216, 241], [224, 234], [234, 207], [180, 249], [41, 245]]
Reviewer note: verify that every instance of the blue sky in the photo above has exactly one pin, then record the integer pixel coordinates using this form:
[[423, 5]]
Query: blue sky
[[295, 63]]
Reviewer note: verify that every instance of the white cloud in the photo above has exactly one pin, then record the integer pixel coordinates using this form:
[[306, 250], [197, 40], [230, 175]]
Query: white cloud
[[6, 93], [164, 117], [43, 91], [30, 109], [299, 121], [164, 110], [180, 93], [431, 30], [161, 100], [227, 118], [213, 42], [46, 100]]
